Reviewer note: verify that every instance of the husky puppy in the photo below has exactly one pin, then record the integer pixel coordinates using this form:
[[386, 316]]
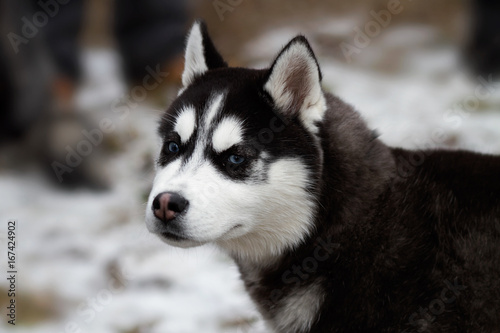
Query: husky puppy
[[332, 230]]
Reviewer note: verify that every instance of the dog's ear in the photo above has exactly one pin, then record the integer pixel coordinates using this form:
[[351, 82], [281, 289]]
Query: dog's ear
[[200, 54], [294, 81]]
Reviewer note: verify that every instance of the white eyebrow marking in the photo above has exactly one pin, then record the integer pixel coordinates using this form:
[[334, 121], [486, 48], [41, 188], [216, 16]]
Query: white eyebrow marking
[[185, 123], [214, 108], [228, 133]]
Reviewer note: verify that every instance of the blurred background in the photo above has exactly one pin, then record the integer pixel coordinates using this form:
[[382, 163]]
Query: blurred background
[[83, 83]]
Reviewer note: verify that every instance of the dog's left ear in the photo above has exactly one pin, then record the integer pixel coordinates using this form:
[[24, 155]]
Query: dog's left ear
[[201, 54], [294, 80]]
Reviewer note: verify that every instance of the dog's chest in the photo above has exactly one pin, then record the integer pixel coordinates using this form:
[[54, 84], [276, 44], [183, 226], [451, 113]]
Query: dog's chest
[[287, 309]]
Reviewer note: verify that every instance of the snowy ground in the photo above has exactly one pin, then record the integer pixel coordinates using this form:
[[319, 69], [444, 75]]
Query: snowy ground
[[86, 261]]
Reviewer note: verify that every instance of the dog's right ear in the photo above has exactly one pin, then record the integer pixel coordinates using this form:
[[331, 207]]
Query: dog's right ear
[[201, 54]]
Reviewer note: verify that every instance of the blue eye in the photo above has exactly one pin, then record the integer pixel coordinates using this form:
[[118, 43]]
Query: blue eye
[[173, 147], [236, 159]]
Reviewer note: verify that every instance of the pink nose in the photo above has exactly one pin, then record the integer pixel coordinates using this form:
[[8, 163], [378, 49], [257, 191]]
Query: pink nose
[[167, 205]]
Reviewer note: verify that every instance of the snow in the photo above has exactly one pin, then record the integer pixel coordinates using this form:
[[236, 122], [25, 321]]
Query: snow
[[89, 254]]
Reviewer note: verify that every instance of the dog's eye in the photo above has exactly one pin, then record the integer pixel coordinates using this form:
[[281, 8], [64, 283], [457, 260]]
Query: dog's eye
[[173, 147], [236, 159]]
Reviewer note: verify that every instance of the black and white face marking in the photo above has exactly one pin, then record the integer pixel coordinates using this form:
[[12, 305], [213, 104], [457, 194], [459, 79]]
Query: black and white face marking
[[231, 188], [251, 196]]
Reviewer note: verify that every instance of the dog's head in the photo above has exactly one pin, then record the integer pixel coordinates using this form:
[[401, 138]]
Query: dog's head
[[241, 153]]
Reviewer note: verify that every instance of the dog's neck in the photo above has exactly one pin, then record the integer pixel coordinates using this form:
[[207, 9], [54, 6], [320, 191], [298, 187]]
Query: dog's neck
[[364, 169]]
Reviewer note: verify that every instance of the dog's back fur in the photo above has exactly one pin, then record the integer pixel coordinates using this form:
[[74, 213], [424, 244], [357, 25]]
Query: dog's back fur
[[333, 231]]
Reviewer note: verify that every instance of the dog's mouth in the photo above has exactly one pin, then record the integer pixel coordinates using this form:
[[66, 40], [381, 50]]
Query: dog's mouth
[[179, 237], [172, 236]]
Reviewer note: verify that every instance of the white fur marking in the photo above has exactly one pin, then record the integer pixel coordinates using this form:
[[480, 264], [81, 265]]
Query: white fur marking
[[279, 213], [299, 311], [215, 106], [185, 124], [228, 133], [195, 63], [314, 114]]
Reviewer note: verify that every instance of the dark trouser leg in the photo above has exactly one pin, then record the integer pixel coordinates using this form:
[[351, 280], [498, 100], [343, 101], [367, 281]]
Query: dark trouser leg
[[149, 33], [8, 127], [484, 46], [62, 35]]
